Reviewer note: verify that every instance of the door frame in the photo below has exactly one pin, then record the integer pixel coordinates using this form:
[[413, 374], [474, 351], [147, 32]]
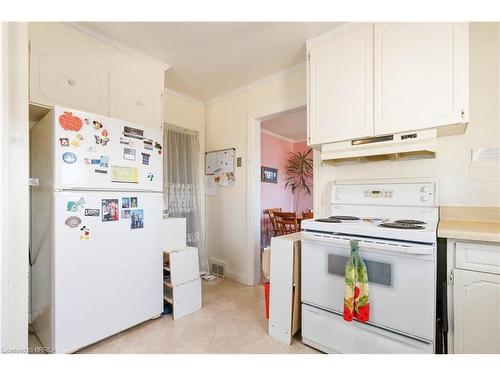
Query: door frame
[[253, 204]]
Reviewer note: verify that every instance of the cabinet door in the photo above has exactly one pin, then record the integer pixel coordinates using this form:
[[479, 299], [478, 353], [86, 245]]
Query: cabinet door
[[340, 91], [476, 312], [57, 79], [135, 101], [421, 75]]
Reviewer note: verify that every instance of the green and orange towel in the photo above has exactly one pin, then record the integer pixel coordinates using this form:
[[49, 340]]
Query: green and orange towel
[[356, 296]]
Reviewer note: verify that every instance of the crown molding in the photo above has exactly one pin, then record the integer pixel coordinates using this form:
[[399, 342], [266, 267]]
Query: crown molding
[[254, 84], [116, 43], [281, 136], [184, 96]]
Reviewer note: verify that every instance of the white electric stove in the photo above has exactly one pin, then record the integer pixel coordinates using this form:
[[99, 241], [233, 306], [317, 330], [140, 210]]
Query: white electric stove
[[395, 223]]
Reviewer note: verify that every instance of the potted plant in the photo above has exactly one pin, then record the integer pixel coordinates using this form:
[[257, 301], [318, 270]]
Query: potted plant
[[299, 172]]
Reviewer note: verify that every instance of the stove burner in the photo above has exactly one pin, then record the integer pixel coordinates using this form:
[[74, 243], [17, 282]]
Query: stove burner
[[328, 220], [344, 217], [397, 225], [409, 221]]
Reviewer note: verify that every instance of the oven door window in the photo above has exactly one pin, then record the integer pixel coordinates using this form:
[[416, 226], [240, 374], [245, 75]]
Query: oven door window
[[378, 272]]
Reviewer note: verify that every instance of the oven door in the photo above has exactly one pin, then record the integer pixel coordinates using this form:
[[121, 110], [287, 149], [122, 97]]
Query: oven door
[[401, 278]]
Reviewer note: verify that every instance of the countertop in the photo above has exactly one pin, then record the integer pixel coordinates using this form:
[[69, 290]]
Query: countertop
[[470, 223]]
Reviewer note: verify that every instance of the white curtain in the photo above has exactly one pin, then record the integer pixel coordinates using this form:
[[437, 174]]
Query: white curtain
[[182, 184]]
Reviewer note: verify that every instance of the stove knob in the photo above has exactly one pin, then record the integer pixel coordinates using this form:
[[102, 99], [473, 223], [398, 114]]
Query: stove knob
[[425, 189], [424, 198]]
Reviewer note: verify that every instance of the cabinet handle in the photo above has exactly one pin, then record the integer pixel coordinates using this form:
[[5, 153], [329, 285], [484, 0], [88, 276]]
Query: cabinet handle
[[71, 82], [138, 102]]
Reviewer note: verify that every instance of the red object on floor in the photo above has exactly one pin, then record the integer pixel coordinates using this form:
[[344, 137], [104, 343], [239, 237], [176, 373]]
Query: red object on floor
[[267, 288]]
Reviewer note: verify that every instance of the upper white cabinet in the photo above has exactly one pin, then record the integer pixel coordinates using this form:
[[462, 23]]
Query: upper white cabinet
[[134, 101], [78, 68], [59, 79], [376, 79], [421, 75], [341, 86]]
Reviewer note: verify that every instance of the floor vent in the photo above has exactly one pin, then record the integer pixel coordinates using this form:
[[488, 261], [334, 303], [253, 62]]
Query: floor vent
[[218, 267]]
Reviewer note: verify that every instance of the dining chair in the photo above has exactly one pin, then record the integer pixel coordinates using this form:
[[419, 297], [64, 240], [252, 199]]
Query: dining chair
[[286, 222], [307, 214], [270, 213]]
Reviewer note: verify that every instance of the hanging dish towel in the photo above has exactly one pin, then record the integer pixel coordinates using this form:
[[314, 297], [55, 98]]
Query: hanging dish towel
[[356, 297]]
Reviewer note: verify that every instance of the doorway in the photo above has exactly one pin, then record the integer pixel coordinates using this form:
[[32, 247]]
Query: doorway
[[254, 205], [286, 172]]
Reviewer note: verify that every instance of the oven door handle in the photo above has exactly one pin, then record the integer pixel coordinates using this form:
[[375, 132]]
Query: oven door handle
[[395, 248]]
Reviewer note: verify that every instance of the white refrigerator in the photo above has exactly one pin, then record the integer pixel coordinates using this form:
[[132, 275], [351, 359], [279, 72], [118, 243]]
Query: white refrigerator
[[96, 238]]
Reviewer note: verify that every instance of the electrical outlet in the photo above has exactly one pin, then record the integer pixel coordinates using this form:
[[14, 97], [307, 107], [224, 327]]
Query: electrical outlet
[[238, 162]]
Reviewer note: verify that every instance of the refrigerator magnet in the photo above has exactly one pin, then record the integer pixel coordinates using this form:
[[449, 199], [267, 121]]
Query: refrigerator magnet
[[104, 161], [145, 158], [129, 153], [74, 206], [148, 144], [70, 122], [126, 202], [85, 233], [69, 157], [103, 141], [125, 214], [79, 137], [109, 209], [150, 176], [91, 149], [136, 219], [64, 142], [133, 132], [105, 133], [133, 202], [92, 212], [158, 147], [101, 171], [73, 221], [97, 124], [87, 161], [75, 143]]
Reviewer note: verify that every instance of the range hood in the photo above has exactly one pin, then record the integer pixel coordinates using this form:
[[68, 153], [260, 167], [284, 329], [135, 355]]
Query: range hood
[[403, 146]]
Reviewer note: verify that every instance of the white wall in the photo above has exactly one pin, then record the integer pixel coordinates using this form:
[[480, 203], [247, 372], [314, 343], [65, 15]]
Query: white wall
[[226, 121], [14, 198], [451, 166]]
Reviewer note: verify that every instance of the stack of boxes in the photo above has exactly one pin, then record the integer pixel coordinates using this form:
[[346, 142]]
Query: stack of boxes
[[181, 270]]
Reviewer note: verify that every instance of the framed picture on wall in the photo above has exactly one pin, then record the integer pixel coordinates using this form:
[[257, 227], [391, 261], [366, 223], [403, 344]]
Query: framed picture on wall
[[269, 175]]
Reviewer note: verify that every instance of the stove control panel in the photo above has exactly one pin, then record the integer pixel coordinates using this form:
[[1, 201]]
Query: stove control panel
[[395, 194], [378, 193]]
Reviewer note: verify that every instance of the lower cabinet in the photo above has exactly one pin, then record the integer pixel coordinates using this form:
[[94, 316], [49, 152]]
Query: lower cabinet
[[476, 312], [475, 293]]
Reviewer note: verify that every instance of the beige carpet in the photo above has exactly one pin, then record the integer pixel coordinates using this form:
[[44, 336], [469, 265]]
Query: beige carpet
[[232, 320]]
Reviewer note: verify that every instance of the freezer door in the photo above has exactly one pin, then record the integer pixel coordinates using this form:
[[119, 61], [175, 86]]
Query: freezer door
[[107, 264], [98, 152]]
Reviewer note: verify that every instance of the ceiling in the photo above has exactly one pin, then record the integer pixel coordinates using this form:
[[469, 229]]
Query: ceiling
[[292, 126], [208, 59]]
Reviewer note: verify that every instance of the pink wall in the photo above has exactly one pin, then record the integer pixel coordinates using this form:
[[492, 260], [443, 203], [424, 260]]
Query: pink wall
[[305, 201], [274, 154]]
